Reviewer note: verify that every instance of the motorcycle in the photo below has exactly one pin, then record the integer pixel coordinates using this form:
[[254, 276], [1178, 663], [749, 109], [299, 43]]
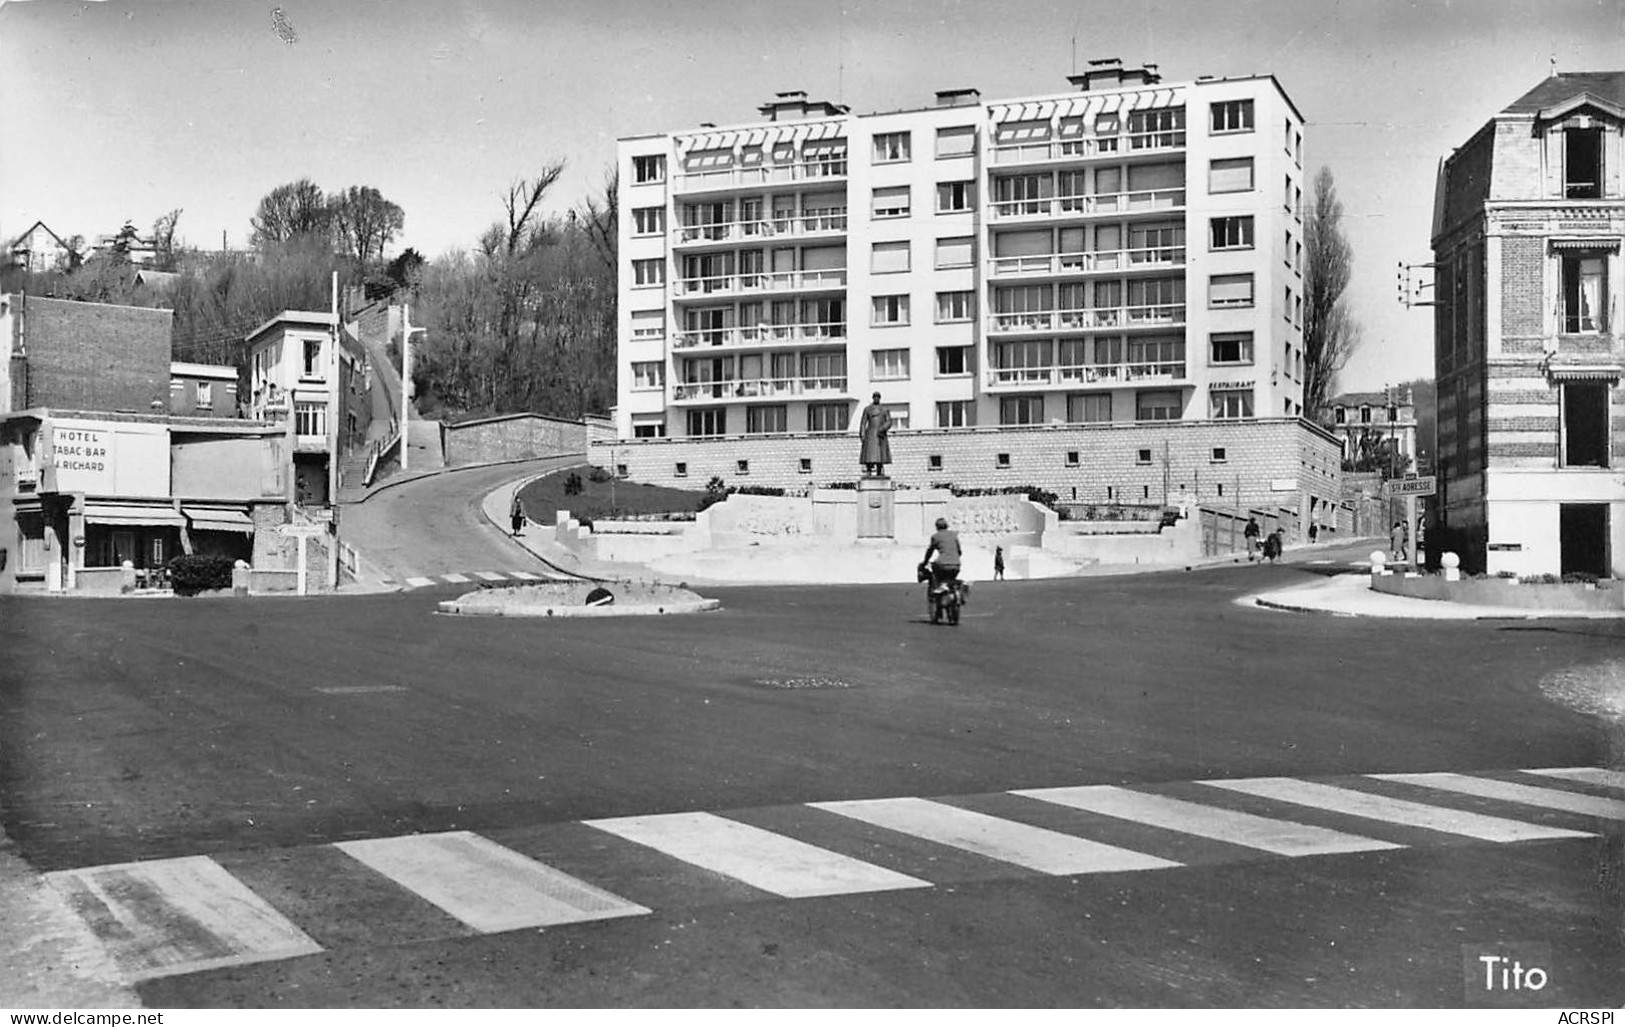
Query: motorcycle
[[943, 600]]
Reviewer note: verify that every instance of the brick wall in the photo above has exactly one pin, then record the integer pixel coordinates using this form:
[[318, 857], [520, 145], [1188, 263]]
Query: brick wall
[[518, 437], [1522, 277], [1113, 463], [96, 356]]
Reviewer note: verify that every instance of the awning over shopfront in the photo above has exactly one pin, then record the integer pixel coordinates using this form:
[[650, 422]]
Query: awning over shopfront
[[213, 518], [133, 514]]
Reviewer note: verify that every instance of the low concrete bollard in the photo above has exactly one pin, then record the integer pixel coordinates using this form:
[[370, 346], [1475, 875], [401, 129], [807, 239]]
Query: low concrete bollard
[[1379, 564], [1451, 564]]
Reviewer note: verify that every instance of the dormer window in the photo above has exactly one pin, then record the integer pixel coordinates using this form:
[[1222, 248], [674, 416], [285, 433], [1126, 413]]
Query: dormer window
[[1582, 162]]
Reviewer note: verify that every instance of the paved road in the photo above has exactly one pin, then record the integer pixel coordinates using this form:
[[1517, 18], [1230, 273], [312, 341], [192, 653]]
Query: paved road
[[660, 777], [429, 527]]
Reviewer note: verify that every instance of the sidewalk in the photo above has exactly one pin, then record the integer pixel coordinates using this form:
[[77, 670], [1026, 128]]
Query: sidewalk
[[1350, 595]]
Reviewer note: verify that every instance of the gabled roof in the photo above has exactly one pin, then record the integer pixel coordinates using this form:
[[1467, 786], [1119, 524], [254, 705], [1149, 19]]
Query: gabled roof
[[1608, 87], [30, 231]]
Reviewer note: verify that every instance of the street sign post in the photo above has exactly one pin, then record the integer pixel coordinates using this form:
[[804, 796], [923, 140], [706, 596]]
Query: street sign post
[[1413, 486]]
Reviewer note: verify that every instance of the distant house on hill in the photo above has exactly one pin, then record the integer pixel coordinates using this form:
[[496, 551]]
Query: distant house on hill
[[39, 249]]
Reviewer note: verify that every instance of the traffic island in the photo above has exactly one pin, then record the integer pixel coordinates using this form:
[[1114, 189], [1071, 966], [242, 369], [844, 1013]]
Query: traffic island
[[580, 599]]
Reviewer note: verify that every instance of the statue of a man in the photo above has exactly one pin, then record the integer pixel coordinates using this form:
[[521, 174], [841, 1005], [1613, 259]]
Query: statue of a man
[[874, 429]]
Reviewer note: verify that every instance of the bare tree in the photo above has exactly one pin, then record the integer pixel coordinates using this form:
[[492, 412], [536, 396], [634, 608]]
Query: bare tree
[[163, 240], [1330, 333], [364, 222], [290, 210], [601, 219], [521, 233]]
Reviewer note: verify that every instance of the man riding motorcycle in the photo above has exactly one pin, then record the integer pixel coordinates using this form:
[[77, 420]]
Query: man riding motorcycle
[[945, 544]]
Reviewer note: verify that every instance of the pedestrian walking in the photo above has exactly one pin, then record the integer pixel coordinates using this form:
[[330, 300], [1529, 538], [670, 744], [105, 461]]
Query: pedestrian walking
[[998, 563], [516, 514], [1250, 533], [1398, 539], [1314, 532], [1273, 544]]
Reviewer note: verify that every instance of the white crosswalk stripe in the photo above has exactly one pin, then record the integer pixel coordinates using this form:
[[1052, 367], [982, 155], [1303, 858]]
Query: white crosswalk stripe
[[165, 917], [419, 582], [455, 578], [527, 576], [490, 576], [1585, 775], [762, 859], [486, 886], [1396, 811], [1282, 837], [1529, 795], [1035, 848]]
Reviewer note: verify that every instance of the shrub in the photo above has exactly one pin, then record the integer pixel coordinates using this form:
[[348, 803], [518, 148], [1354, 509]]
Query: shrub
[[1578, 578], [191, 574], [598, 475]]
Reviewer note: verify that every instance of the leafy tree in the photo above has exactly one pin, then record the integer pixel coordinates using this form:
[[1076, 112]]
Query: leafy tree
[[1330, 333], [363, 223], [163, 240], [289, 211]]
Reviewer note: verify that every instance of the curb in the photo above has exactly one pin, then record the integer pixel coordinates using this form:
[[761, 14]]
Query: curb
[[1269, 604]]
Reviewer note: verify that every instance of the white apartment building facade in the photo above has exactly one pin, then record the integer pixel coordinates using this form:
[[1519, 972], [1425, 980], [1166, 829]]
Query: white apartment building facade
[[1127, 252]]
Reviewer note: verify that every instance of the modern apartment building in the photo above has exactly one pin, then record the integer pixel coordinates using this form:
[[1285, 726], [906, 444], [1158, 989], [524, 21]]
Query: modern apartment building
[[1125, 252], [1529, 217]]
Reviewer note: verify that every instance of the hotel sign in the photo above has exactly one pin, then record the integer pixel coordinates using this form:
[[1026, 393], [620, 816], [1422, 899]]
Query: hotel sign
[[107, 459], [84, 460]]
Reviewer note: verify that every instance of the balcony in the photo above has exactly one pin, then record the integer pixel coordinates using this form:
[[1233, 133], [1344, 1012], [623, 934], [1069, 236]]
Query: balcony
[[1071, 376], [756, 282], [1089, 205], [762, 335], [759, 388], [800, 224], [723, 179], [1116, 147], [1148, 258], [1159, 315]]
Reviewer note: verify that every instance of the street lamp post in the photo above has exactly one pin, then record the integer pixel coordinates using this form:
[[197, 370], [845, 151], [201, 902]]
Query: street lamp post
[[406, 378]]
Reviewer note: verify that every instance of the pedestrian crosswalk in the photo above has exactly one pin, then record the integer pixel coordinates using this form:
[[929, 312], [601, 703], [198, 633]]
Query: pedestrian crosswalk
[[166, 917], [473, 577]]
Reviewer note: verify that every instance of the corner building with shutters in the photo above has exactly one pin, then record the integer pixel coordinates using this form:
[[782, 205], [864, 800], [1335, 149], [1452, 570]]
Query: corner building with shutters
[[1528, 348], [1122, 257]]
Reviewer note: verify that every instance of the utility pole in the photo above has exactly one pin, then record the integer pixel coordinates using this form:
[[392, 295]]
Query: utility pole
[[406, 377]]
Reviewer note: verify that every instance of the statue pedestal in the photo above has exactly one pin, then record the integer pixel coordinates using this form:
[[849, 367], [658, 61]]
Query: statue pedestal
[[876, 511]]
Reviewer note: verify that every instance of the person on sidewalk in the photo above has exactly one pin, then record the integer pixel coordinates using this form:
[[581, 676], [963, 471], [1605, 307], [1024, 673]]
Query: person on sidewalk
[[1398, 538], [516, 514], [1250, 533], [1273, 544], [998, 563]]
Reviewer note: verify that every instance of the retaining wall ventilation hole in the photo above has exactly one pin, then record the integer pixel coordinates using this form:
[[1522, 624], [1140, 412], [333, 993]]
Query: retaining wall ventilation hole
[[792, 683]]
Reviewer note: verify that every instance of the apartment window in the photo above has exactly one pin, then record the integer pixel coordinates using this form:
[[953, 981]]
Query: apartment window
[[1286, 302], [653, 429], [1297, 314], [1230, 348], [648, 220], [1232, 233], [899, 415], [1230, 175], [648, 324], [1156, 128], [888, 365], [1230, 290], [1089, 408], [204, 398], [1286, 251], [649, 169], [648, 374], [956, 413], [1229, 404], [959, 305], [1021, 410], [708, 421], [959, 141], [767, 420], [1583, 274], [1365, 415], [953, 361], [1339, 416], [891, 147], [1585, 424], [1158, 405], [1231, 116], [1582, 163], [310, 418], [649, 272], [826, 417], [313, 359], [891, 202], [887, 311], [955, 197], [888, 257], [952, 253]]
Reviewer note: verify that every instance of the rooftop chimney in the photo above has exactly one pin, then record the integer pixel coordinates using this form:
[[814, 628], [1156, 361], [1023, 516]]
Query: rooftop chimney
[[958, 97], [1108, 73], [793, 105]]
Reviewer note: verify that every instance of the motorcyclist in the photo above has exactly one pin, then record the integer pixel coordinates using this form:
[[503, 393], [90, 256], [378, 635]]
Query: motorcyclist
[[945, 544]]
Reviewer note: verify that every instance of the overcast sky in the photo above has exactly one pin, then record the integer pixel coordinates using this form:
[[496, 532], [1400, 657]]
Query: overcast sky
[[117, 110]]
